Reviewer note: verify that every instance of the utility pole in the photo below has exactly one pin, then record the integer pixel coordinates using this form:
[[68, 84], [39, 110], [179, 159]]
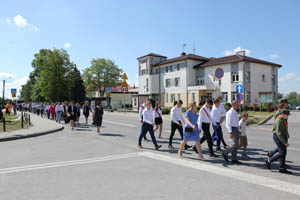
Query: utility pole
[[3, 91]]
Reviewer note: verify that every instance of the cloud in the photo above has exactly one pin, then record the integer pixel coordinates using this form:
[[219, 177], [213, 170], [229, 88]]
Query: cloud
[[4, 75], [67, 45], [274, 56], [290, 76], [21, 22], [234, 51]]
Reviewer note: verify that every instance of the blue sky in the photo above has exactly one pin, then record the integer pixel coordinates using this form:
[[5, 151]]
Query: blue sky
[[124, 30]]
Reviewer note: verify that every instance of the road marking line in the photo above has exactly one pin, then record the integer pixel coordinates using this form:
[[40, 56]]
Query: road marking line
[[65, 163], [241, 176], [291, 148], [122, 124]]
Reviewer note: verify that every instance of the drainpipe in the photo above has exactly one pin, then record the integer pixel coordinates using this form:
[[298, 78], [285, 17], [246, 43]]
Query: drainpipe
[[187, 92]]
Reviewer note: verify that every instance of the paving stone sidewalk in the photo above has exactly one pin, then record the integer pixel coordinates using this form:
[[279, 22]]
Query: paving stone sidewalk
[[40, 126]]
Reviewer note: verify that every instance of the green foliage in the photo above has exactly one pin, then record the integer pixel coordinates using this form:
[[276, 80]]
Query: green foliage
[[293, 98], [184, 109], [101, 74], [54, 78], [165, 110]]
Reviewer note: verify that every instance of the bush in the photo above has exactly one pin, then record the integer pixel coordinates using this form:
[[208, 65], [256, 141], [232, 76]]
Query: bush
[[152, 102], [184, 110], [198, 108], [165, 111], [246, 108], [263, 109], [251, 108]]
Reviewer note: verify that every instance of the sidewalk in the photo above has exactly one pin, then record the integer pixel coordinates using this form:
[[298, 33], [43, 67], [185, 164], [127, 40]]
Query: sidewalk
[[40, 126]]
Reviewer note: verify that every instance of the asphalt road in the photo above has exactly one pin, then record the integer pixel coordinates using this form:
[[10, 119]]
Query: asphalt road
[[83, 165]]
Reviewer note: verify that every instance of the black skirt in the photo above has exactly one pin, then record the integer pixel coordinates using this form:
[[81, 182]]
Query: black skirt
[[158, 121], [98, 121]]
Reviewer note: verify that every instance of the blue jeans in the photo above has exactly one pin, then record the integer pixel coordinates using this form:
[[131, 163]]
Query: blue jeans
[[218, 135], [58, 116], [145, 128], [282, 152]]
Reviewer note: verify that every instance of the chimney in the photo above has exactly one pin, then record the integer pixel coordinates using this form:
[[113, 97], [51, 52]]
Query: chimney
[[242, 53], [183, 54]]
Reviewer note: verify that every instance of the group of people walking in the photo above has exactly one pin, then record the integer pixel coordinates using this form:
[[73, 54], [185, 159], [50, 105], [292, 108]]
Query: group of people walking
[[69, 112], [192, 125]]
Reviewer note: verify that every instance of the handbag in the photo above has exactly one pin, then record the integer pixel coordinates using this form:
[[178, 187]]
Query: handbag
[[188, 130]]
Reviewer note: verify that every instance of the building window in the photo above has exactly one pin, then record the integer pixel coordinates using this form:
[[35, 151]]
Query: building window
[[177, 82], [200, 81], [263, 77], [233, 96], [178, 97], [193, 97], [168, 82], [273, 79], [157, 70], [134, 102], [167, 98], [247, 77], [167, 69], [172, 98], [224, 96], [248, 96], [171, 68], [235, 77], [178, 67], [147, 85]]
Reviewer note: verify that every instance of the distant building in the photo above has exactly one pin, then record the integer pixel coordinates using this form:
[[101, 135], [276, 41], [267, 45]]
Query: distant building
[[190, 77]]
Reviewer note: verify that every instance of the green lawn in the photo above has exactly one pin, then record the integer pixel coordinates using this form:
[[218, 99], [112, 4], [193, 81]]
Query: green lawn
[[10, 126], [258, 113]]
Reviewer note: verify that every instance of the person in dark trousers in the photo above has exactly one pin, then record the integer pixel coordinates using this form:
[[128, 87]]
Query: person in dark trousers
[[148, 123], [141, 109], [232, 125], [204, 125], [280, 137], [72, 113], [177, 122], [98, 115]]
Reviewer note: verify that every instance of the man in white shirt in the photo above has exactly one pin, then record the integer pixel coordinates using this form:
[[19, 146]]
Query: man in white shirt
[[216, 115], [204, 125], [177, 121], [141, 110], [232, 125], [148, 122]]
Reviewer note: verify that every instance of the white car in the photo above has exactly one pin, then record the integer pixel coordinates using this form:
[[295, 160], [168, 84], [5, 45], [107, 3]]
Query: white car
[[298, 108]]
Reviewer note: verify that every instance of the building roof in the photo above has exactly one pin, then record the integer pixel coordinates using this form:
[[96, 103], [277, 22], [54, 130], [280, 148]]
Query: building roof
[[234, 58], [184, 57], [152, 54]]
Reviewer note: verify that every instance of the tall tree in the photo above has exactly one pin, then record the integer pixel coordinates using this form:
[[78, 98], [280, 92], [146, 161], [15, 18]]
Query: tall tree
[[101, 74], [292, 95], [77, 88]]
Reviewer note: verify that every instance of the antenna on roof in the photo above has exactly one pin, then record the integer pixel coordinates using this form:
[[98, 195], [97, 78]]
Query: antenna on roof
[[183, 46], [194, 49]]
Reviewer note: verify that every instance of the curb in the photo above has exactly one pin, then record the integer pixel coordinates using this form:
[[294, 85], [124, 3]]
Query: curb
[[265, 120], [18, 137]]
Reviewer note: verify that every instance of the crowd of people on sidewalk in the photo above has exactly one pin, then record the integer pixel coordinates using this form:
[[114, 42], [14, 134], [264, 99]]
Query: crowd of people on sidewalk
[[192, 125], [68, 112]]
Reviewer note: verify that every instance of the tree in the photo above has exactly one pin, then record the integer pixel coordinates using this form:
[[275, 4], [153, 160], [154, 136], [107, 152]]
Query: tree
[[279, 96], [292, 95], [77, 89], [101, 74]]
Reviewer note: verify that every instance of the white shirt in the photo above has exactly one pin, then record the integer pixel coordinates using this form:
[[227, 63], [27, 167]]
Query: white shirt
[[232, 120], [205, 117], [216, 114], [242, 125], [148, 116], [222, 109], [141, 109], [176, 115], [47, 107], [58, 108], [156, 115]]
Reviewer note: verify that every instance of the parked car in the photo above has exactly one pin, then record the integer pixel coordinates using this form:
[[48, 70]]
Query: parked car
[[291, 107], [298, 108]]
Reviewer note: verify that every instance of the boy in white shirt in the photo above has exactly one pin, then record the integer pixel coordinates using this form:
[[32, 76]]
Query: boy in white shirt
[[243, 137]]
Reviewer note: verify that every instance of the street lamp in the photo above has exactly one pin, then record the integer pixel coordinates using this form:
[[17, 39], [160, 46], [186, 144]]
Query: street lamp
[[4, 89]]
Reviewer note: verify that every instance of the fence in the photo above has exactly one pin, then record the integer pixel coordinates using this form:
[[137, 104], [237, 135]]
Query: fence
[[25, 120]]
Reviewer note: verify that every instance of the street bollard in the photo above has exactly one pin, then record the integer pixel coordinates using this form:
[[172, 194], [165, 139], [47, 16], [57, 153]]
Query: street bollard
[[4, 125], [22, 121]]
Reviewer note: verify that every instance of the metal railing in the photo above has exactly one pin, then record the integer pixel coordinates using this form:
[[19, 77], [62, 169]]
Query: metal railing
[[25, 120]]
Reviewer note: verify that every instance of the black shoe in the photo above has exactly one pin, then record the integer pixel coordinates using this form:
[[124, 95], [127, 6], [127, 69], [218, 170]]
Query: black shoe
[[236, 162], [186, 147], [287, 166], [157, 147], [195, 149], [212, 155], [268, 165], [225, 157], [285, 171]]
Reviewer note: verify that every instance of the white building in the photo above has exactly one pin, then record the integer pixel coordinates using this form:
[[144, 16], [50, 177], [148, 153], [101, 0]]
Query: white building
[[191, 77]]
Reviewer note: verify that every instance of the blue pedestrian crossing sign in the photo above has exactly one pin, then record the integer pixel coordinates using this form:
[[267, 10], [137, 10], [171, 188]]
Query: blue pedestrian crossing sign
[[13, 91], [108, 90], [239, 89]]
